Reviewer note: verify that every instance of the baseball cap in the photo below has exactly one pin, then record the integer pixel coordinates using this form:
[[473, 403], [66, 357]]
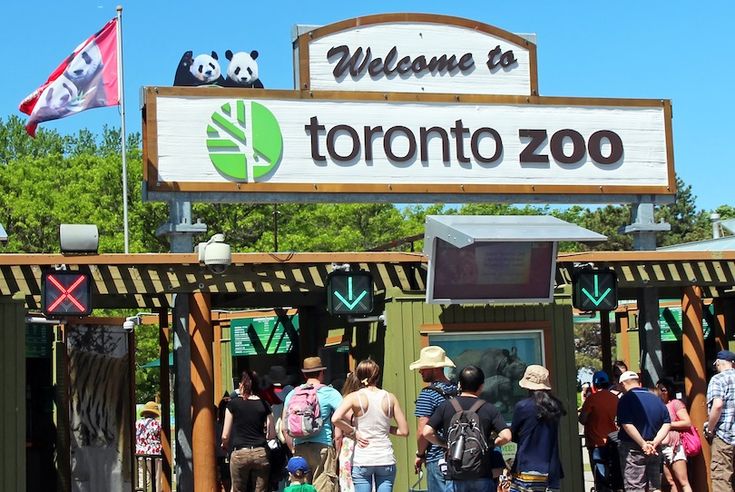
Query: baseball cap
[[725, 355], [297, 464], [600, 377], [627, 375]]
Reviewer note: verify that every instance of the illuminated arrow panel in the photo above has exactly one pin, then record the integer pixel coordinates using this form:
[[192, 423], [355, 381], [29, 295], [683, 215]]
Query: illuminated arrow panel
[[65, 293], [595, 290], [350, 293]]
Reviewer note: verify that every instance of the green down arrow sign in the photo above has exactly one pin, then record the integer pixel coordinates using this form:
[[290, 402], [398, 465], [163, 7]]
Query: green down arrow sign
[[350, 293], [595, 290]]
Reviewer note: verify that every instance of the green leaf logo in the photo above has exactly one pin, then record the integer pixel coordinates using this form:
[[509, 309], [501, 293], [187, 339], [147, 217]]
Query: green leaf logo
[[244, 145]]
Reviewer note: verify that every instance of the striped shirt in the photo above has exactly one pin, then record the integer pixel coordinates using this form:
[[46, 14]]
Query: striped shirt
[[426, 403], [722, 386]]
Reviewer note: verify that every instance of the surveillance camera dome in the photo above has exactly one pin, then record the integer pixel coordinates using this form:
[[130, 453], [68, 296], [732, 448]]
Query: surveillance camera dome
[[128, 325], [215, 254]]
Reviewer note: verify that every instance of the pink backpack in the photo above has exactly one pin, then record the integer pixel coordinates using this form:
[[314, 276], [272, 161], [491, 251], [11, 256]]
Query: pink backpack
[[302, 413]]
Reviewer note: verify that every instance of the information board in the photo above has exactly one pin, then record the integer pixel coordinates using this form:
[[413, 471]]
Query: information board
[[264, 336]]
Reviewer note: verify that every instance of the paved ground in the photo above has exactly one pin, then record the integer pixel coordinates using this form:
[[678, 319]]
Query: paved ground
[[588, 480]]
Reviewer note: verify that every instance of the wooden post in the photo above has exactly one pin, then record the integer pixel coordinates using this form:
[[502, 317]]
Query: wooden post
[[129, 413], [202, 383], [623, 322], [695, 382], [217, 359], [163, 341], [720, 330]]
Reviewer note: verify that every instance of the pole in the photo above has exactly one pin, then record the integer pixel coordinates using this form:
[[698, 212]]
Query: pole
[[605, 336], [202, 384], [123, 144], [275, 227], [695, 378], [163, 341]]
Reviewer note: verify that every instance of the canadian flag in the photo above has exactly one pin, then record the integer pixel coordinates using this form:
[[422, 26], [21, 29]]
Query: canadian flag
[[87, 79]]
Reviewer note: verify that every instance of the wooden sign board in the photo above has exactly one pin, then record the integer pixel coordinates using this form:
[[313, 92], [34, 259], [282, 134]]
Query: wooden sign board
[[419, 53], [307, 144]]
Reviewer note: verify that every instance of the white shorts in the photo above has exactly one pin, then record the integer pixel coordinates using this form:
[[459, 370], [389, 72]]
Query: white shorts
[[671, 454]]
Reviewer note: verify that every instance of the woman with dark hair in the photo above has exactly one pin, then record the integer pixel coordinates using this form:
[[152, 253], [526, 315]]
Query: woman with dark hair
[[672, 450], [373, 463], [248, 426], [535, 428]]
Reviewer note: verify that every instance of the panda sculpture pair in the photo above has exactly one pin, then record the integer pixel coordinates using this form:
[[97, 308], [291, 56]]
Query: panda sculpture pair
[[204, 69]]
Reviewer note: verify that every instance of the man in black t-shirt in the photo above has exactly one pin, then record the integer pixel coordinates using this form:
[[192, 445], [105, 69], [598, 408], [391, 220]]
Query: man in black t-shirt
[[471, 380]]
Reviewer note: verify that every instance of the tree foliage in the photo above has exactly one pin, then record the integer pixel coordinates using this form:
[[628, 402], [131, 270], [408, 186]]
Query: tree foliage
[[147, 381]]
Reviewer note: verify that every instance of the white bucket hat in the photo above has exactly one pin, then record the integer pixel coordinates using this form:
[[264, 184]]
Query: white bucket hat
[[431, 357], [535, 378]]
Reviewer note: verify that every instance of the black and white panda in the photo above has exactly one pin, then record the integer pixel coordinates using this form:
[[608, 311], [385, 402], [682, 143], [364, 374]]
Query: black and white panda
[[242, 70], [84, 65], [205, 68], [198, 70], [56, 101]]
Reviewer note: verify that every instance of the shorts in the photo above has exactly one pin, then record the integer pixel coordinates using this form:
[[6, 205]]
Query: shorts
[[672, 454]]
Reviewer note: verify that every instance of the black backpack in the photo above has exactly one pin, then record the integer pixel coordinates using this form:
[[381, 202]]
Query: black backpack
[[466, 443]]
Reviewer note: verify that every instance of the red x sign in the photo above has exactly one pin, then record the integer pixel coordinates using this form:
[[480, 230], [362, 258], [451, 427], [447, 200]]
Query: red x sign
[[66, 293]]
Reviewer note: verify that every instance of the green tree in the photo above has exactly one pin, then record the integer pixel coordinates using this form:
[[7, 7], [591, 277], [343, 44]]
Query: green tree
[[147, 381], [726, 212], [687, 223], [52, 180]]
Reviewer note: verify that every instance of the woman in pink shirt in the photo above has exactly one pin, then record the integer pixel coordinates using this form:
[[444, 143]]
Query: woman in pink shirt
[[675, 459]]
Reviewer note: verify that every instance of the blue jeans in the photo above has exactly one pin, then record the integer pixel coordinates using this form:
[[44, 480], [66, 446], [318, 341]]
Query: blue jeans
[[383, 477], [598, 462], [474, 485], [435, 480]]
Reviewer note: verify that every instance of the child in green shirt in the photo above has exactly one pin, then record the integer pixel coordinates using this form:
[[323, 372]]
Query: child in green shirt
[[297, 471]]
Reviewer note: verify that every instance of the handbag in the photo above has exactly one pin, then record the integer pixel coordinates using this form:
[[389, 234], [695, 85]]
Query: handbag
[[691, 441]]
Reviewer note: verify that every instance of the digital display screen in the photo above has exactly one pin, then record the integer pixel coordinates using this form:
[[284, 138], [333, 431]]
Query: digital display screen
[[492, 271]]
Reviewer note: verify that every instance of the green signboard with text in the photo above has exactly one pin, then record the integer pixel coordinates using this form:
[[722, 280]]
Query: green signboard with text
[[670, 321], [264, 336], [38, 341]]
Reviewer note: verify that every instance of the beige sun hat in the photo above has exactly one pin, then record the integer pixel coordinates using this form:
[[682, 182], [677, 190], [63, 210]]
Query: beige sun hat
[[150, 408], [313, 364], [535, 378], [432, 357]]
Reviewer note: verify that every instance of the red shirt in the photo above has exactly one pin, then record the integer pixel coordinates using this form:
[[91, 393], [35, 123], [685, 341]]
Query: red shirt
[[601, 409]]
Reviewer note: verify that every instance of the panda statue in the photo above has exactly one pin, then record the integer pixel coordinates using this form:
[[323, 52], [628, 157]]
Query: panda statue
[[198, 70], [242, 70]]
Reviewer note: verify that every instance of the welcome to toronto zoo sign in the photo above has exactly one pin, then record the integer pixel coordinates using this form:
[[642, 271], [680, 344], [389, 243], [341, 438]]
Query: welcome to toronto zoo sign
[[398, 107]]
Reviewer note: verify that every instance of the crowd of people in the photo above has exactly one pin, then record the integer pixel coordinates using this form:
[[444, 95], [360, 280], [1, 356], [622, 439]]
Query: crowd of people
[[636, 435], [334, 441], [313, 438]]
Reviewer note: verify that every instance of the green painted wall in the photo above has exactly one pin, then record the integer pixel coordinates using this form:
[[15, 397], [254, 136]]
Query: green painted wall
[[13, 403], [402, 343]]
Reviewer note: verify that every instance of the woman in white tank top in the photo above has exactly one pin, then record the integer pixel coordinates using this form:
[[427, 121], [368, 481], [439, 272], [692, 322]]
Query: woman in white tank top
[[373, 462]]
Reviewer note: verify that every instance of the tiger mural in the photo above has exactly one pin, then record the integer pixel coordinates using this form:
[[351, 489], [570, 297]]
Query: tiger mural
[[100, 408], [98, 382]]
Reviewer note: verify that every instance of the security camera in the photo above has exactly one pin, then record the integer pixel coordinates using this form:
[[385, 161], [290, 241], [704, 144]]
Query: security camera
[[215, 253], [130, 323]]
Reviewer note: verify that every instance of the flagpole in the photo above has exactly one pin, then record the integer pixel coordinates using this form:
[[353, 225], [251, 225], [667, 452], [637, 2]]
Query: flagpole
[[121, 97]]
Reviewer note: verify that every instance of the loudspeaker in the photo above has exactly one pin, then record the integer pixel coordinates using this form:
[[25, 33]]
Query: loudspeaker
[[78, 238]]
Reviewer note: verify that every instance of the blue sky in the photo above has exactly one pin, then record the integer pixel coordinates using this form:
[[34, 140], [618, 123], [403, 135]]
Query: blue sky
[[674, 50]]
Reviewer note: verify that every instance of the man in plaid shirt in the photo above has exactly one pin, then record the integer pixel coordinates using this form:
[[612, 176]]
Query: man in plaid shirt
[[720, 425]]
